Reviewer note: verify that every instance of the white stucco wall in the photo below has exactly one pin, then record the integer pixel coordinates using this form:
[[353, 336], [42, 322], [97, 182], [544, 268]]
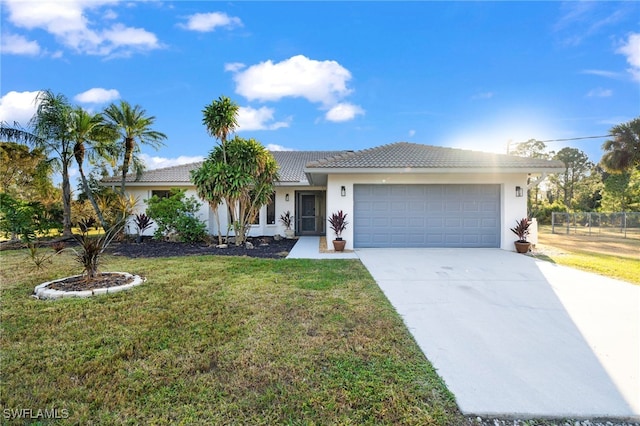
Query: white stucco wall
[[512, 208]]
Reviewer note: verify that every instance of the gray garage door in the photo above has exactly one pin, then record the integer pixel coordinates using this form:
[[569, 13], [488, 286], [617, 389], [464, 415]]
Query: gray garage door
[[426, 216]]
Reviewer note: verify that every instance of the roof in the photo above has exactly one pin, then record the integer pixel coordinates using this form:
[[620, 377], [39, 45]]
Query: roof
[[290, 167], [405, 155]]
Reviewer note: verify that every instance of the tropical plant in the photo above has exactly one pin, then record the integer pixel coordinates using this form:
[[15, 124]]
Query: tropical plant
[[242, 175], [91, 249], [623, 151], [22, 219], [142, 222], [522, 229], [286, 219], [177, 214], [135, 128], [338, 223], [90, 133]]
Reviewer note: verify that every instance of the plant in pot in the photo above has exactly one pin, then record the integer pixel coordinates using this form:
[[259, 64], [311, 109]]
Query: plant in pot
[[338, 222], [522, 231], [143, 222], [286, 219]]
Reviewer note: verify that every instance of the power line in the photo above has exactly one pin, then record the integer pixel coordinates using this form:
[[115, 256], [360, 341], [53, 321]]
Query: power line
[[570, 139]]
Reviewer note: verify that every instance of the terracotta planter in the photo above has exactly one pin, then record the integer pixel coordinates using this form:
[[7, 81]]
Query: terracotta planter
[[338, 245], [522, 247]]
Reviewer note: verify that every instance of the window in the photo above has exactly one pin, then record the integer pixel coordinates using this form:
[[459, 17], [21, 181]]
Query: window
[[271, 210], [161, 193]]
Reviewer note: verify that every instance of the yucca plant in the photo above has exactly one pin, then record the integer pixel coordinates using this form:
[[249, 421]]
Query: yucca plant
[[93, 247]]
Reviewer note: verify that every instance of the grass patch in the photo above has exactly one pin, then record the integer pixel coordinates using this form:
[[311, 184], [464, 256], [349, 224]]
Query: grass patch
[[614, 257], [216, 340]]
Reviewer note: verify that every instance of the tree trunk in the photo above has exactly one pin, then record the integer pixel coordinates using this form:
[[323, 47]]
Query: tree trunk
[[66, 201], [128, 151], [85, 186]]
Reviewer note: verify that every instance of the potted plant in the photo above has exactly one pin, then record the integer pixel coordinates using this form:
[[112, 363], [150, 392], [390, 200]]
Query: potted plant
[[338, 222], [286, 219], [522, 231]]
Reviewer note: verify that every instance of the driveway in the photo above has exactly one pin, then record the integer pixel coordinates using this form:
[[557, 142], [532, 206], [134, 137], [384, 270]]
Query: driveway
[[515, 336]]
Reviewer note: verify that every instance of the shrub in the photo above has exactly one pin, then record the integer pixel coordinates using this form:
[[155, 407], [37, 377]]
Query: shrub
[[177, 214], [22, 219]]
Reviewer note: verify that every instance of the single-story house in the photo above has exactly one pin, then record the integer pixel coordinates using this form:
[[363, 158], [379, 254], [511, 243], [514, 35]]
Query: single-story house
[[396, 195]]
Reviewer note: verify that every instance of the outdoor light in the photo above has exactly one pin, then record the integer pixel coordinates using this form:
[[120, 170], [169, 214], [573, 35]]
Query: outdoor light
[[518, 191], [286, 197], [343, 191]]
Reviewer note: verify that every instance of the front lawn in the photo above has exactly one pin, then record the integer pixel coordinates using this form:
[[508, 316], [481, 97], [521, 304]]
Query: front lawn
[[215, 340]]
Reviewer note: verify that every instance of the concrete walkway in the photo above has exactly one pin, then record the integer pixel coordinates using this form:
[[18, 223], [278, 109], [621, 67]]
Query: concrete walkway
[[515, 336], [309, 248]]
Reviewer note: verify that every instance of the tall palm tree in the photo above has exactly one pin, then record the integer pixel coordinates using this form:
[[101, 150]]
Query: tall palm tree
[[134, 127], [94, 139], [220, 118], [51, 126], [622, 153]]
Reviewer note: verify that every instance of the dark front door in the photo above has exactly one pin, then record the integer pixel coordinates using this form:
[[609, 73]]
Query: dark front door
[[310, 213]]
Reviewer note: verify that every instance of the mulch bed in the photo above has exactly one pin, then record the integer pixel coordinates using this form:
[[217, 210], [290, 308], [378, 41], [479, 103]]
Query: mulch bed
[[80, 283], [263, 247]]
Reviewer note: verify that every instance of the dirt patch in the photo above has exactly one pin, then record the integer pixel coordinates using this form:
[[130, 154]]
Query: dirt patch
[[80, 283], [622, 247], [263, 247]]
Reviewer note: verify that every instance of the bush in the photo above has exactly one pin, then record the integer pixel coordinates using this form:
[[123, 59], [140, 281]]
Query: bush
[[543, 212], [22, 219], [177, 214]]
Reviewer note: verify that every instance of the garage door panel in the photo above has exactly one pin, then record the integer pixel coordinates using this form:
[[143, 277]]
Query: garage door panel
[[427, 215]]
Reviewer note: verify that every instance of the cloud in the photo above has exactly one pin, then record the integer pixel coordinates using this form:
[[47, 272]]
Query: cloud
[[599, 92], [97, 95], [207, 22], [13, 44], [274, 147], [155, 162], [18, 107], [69, 23], [322, 82], [258, 119], [482, 95], [412, 133], [343, 112], [602, 73], [631, 49], [234, 66]]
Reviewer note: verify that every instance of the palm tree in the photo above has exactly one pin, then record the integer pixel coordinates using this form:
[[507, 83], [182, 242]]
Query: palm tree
[[622, 153], [134, 127], [51, 126], [90, 133], [221, 119]]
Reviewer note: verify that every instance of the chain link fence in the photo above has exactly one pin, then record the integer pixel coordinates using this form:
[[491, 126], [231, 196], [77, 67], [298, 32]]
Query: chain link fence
[[619, 224]]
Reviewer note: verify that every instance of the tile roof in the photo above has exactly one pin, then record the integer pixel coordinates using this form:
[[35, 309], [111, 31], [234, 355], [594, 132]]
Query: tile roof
[[405, 155], [291, 168]]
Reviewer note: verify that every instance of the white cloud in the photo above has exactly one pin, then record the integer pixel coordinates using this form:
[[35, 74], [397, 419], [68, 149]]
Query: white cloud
[[631, 49], [207, 22], [602, 73], [343, 112], [258, 119], [412, 133], [274, 147], [599, 92], [18, 107], [234, 66], [68, 22], [482, 95], [97, 95], [322, 82], [14, 44], [155, 162]]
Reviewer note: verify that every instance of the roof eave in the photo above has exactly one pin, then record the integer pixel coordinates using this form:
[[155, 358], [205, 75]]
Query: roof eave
[[314, 172]]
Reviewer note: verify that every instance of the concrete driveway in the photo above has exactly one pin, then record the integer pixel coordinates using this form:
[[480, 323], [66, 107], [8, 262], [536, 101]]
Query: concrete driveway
[[515, 336]]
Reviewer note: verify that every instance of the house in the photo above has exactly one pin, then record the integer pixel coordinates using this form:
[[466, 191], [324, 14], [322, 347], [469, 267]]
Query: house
[[396, 195]]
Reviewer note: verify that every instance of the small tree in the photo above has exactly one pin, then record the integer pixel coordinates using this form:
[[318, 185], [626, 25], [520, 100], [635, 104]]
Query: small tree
[[176, 213]]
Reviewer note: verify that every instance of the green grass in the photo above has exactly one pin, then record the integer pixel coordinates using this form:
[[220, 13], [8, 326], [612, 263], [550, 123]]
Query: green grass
[[216, 340]]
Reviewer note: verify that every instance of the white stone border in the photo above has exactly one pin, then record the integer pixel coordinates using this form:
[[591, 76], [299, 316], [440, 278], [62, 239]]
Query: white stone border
[[42, 292]]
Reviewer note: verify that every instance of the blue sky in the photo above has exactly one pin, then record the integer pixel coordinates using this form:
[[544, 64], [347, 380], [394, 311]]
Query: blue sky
[[334, 75]]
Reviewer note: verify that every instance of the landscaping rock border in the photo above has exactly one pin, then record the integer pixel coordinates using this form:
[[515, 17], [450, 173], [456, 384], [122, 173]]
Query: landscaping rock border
[[43, 292]]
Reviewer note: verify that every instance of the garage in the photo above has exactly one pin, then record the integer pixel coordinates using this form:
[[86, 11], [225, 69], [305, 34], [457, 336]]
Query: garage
[[434, 215]]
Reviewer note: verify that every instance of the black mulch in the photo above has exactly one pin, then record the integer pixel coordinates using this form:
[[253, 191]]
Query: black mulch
[[264, 247]]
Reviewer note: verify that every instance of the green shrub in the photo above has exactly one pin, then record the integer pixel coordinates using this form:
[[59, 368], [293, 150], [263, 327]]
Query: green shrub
[[177, 214], [544, 211], [22, 219]]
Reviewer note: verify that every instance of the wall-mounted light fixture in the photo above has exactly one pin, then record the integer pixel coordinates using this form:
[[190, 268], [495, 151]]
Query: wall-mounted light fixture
[[518, 191], [286, 197], [343, 191]]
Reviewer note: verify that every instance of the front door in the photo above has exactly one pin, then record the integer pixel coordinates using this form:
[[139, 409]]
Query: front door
[[310, 213]]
